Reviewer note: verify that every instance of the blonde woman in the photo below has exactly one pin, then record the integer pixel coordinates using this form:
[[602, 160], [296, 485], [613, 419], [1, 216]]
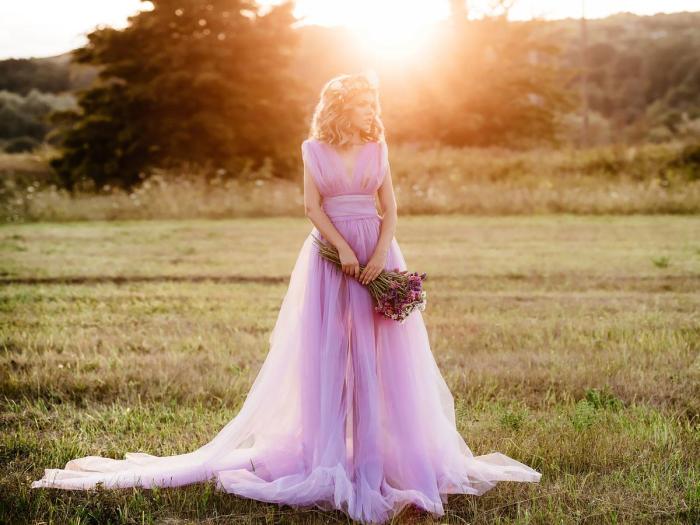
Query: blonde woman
[[349, 410]]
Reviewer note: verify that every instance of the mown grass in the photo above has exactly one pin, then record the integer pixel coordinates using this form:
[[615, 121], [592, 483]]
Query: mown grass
[[564, 341], [649, 179]]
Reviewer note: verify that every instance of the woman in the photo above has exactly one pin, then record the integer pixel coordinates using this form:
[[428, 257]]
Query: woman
[[349, 410]]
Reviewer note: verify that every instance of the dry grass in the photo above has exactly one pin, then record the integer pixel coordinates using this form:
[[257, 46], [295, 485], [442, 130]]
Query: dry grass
[[569, 342], [605, 180]]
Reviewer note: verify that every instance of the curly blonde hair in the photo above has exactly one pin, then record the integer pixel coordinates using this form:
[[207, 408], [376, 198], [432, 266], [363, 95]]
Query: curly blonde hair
[[331, 119]]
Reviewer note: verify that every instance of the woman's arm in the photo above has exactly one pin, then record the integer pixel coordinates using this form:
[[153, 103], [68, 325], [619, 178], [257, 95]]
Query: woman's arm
[[316, 214], [387, 203]]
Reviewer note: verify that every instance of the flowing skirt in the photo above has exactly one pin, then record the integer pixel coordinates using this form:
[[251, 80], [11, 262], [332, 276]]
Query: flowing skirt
[[349, 410]]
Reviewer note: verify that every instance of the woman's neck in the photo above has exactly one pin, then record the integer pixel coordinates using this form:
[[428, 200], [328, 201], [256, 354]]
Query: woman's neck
[[355, 140]]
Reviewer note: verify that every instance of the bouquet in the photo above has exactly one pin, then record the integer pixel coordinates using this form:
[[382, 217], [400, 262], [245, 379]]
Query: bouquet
[[396, 293]]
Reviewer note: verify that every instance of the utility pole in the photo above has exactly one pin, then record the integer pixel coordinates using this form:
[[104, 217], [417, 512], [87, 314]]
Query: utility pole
[[584, 75]]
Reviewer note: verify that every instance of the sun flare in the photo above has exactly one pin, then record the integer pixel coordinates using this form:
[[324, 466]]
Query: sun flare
[[391, 29]]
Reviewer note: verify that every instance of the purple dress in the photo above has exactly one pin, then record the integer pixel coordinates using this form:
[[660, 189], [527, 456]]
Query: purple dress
[[349, 410]]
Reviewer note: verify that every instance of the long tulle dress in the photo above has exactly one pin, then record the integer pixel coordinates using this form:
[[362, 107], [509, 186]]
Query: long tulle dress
[[349, 410]]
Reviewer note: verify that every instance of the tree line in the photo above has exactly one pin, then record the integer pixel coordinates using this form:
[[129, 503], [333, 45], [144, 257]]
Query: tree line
[[219, 84]]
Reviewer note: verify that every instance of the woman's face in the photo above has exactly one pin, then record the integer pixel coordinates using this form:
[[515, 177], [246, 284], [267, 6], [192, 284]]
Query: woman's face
[[362, 111]]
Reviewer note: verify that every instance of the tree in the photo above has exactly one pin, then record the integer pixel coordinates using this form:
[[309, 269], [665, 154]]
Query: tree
[[21, 75], [488, 81], [203, 82]]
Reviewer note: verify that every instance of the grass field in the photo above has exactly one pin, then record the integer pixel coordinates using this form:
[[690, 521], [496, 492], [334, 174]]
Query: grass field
[[570, 343]]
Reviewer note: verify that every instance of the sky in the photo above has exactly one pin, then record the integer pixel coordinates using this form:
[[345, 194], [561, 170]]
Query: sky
[[49, 27]]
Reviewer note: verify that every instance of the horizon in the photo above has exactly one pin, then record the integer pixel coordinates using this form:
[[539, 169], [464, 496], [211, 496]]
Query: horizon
[[37, 41]]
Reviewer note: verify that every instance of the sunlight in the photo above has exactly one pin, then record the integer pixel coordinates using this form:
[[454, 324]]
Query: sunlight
[[391, 29], [394, 29]]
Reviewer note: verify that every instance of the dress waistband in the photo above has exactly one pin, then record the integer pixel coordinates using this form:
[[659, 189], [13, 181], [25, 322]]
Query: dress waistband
[[350, 205]]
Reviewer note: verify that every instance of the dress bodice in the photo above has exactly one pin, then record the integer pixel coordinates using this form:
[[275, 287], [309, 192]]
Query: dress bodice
[[332, 177]]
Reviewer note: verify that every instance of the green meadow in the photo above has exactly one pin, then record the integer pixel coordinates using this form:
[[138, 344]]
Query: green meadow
[[570, 342]]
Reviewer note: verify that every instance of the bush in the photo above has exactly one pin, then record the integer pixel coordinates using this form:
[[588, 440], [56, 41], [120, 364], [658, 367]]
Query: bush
[[689, 161], [21, 145], [27, 116]]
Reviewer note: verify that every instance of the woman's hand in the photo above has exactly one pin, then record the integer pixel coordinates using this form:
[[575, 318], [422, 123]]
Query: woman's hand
[[373, 267], [349, 262]]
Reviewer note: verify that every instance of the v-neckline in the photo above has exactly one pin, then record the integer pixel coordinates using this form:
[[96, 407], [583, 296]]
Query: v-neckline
[[356, 162]]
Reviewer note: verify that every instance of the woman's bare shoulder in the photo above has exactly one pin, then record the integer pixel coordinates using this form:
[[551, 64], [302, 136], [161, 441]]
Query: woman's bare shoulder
[[308, 140]]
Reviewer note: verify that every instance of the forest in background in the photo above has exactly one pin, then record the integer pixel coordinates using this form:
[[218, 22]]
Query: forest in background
[[207, 96], [643, 81], [644, 74]]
